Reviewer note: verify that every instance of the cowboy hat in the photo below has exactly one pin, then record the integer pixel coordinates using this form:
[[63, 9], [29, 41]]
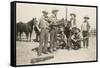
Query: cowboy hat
[[72, 14], [54, 10], [86, 17], [44, 12]]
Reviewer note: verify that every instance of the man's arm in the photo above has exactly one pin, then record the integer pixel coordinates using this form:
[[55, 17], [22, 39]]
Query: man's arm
[[72, 37], [81, 27], [41, 23], [88, 25]]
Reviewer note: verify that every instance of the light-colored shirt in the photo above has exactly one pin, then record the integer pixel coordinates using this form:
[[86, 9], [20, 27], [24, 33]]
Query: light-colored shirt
[[85, 26], [53, 19], [73, 22], [43, 23]]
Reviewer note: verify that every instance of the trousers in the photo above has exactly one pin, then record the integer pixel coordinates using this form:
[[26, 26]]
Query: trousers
[[43, 41], [85, 41], [53, 39]]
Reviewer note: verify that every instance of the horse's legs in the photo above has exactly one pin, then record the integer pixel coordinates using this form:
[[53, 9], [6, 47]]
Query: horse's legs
[[27, 36], [16, 35], [20, 35], [30, 35]]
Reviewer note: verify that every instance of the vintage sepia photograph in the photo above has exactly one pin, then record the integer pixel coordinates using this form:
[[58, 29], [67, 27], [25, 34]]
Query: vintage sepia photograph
[[50, 33]]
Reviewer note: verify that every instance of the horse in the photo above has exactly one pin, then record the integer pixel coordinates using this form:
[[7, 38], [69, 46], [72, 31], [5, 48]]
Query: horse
[[27, 28]]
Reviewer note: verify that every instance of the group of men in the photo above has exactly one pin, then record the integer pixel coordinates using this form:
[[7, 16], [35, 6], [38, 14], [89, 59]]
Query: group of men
[[48, 28], [46, 25]]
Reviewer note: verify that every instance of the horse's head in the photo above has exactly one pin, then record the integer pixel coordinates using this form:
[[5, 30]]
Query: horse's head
[[34, 21]]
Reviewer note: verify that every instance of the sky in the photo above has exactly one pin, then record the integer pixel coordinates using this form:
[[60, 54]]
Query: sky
[[25, 12]]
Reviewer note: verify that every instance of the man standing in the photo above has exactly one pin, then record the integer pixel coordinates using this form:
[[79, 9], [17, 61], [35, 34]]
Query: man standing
[[53, 32], [70, 29], [85, 31], [44, 26]]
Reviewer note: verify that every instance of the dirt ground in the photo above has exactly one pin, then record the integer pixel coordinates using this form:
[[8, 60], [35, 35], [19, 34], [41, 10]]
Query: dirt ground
[[24, 53]]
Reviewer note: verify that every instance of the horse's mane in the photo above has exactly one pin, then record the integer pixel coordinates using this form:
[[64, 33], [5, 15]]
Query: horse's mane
[[30, 22]]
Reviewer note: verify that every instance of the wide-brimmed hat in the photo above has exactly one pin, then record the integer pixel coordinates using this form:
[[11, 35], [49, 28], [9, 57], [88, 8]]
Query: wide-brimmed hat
[[77, 29], [72, 14], [44, 12], [86, 17], [55, 10]]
